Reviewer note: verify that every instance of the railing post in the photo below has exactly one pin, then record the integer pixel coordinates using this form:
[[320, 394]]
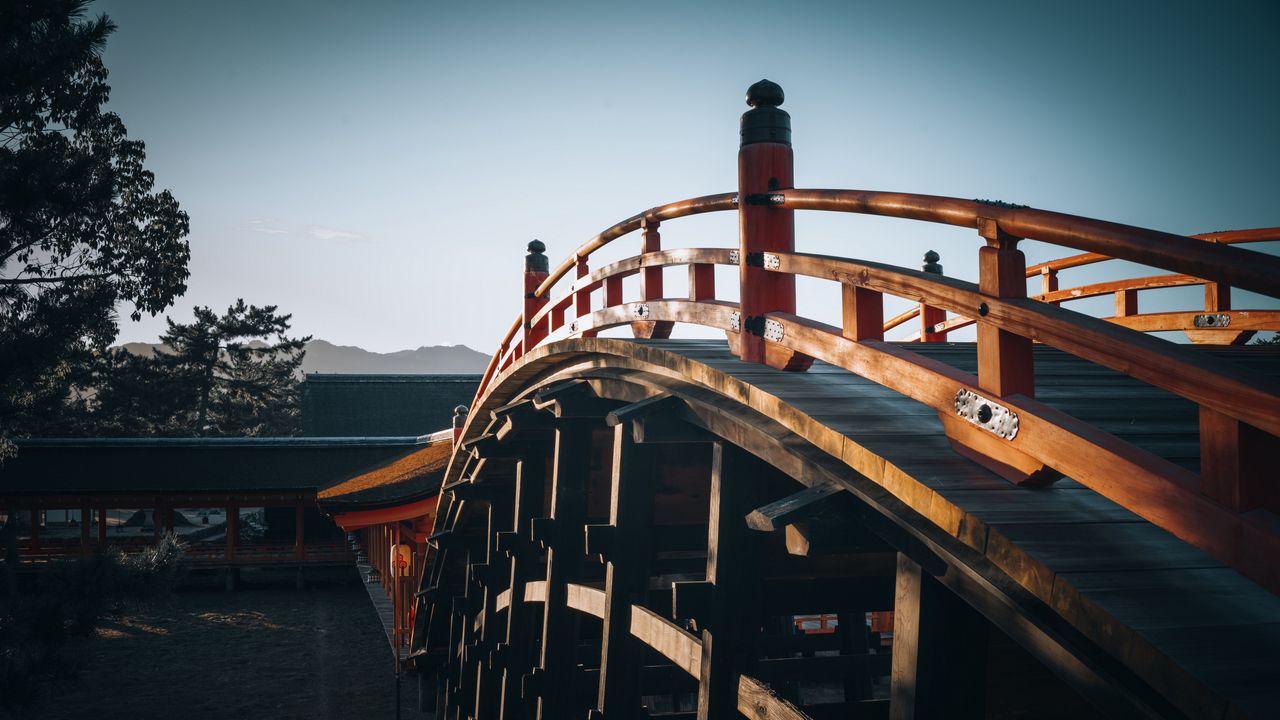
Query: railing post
[[863, 313], [931, 316], [650, 283], [459, 422], [536, 270], [765, 166], [582, 296], [1004, 364], [1004, 359]]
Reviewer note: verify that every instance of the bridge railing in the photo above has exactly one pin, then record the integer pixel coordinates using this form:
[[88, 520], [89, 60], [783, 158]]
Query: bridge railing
[[1215, 323], [1228, 509]]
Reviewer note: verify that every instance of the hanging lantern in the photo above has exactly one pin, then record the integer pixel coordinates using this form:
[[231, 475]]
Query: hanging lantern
[[401, 555]]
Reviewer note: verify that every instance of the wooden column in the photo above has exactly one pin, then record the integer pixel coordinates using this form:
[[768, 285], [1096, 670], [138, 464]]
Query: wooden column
[[938, 666], [626, 573], [102, 526], [488, 694], [731, 621], [85, 514], [572, 466], [299, 533], [34, 542], [1048, 280], [650, 283], [233, 530], [765, 166], [516, 655], [1004, 359], [535, 272]]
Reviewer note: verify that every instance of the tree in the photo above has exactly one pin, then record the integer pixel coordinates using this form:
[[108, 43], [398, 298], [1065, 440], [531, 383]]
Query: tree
[[81, 229], [231, 375]]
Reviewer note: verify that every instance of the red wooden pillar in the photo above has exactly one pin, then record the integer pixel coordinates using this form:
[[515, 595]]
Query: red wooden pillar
[[931, 316], [650, 283], [85, 514], [535, 272], [102, 526], [299, 533], [765, 166]]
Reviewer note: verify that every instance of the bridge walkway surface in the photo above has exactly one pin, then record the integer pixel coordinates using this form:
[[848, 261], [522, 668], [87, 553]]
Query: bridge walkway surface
[[1197, 631]]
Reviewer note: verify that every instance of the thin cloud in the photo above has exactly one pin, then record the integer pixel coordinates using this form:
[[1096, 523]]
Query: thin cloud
[[271, 231], [321, 232]]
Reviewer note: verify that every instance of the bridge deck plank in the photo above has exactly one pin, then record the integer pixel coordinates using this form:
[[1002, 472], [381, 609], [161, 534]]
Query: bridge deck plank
[[1143, 594]]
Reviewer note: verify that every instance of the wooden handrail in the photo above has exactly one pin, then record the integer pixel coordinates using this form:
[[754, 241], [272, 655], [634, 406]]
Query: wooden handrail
[[1224, 237], [1213, 261]]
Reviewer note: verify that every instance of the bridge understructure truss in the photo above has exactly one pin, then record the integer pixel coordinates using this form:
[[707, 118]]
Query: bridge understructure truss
[[1067, 513]]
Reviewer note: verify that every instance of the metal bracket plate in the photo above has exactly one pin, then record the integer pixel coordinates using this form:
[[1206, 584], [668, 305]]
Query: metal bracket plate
[[990, 416], [733, 257], [640, 311], [573, 327], [735, 321], [773, 330], [1211, 320], [771, 261]]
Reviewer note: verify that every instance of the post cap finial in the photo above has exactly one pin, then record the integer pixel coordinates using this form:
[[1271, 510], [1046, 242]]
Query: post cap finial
[[460, 416], [765, 92], [765, 122], [535, 261], [931, 264]]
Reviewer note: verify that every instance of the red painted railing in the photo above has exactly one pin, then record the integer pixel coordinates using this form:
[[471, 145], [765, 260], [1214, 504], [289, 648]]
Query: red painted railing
[[1229, 509]]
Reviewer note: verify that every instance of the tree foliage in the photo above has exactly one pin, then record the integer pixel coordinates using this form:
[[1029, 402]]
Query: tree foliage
[[229, 375], [81, 228]]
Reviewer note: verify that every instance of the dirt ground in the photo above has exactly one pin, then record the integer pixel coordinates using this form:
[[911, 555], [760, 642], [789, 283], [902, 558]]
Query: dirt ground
[[265, 651]]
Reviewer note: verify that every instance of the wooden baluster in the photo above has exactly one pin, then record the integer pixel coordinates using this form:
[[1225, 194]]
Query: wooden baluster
[[1004, 359], [582, 296], [572, 466], [1236, 461], [1126, 303], [765, 166], [863, 313], [626, 574], [931, 316], [1004, 365], [1048, 280], [613, 291], [702, 282], [650, 283], [535, 272]]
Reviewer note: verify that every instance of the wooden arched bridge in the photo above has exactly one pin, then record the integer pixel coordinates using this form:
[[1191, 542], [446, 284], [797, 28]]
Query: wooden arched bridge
[[1066, 518]]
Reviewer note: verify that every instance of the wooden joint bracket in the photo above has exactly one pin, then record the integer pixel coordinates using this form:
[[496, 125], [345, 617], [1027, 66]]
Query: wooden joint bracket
[[797, 506]]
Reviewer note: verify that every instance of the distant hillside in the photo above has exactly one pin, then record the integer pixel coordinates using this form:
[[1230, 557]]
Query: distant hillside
[[325, 357]]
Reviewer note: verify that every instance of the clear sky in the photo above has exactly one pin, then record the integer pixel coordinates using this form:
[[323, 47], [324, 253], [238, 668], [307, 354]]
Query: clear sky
[[377, 168]]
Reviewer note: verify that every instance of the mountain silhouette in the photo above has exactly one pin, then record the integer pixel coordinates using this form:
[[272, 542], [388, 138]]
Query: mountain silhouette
[[325, 357]]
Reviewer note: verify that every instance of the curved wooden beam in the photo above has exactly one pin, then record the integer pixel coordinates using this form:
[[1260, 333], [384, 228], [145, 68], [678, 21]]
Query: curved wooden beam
[[1213, 261], [1228, 237]]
